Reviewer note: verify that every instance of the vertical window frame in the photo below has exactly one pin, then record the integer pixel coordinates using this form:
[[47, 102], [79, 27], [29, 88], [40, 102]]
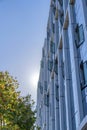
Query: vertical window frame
[[80, 38], [52, 47], [83, 80], [57, 92], [85, 74], [50, 65], [56, 67]]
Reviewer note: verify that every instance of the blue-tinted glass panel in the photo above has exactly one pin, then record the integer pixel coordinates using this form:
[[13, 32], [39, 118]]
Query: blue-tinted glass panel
[[45, 85], [53, 28], [41, 88], [57, 92], [50, 65], [81, 34], [56, 67], [52, 47], [46, 99], [85, 72], [61, 2], [42, 64]]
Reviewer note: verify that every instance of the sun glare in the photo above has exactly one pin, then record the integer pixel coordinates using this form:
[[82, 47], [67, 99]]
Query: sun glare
[[34, 79]]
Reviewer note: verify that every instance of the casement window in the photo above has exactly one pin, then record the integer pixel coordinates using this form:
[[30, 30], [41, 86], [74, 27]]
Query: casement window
[[40, 112], [41, 88], [48, 34], [63, 73], [50, 109], [61, 2], [42, 64], [46, 99], [50, 65], [53, 27], [56, 67], [45, 85], [54, 10], [61, 21], [83, 74], [57, 92], [79, 35], [61, 17], [43, 52], [52, 47]]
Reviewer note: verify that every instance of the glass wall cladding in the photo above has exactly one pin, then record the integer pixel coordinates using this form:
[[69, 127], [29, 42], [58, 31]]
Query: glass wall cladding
[[77, 39]]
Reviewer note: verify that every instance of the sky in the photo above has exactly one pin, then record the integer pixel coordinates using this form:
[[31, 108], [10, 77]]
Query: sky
[[22, 32]]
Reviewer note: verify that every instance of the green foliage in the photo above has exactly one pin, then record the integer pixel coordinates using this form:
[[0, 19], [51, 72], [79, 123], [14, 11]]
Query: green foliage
[[16, 112]]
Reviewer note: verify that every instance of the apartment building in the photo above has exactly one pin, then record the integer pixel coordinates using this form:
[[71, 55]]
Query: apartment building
[[62, 85]]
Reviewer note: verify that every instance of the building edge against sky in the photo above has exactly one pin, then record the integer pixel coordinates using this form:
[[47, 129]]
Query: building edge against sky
[[62, 86]]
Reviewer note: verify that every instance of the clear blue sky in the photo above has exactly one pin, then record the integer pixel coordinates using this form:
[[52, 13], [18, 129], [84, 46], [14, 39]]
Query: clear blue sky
[[22, 31]]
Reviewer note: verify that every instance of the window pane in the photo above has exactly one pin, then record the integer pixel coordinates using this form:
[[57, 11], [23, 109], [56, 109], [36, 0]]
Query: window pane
[[53, 28], [81, 34], [46, 100], [61, 2], [41, 88], [57, 92], [45, 85], [82, 80], [52, 47], [50, 65], [56, 67], [42, 64], [85, 72]]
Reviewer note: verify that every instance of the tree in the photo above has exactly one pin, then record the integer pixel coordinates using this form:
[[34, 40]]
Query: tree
[[16, 112]]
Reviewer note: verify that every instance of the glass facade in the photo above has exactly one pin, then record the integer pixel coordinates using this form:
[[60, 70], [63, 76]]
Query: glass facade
[[62, 89]]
